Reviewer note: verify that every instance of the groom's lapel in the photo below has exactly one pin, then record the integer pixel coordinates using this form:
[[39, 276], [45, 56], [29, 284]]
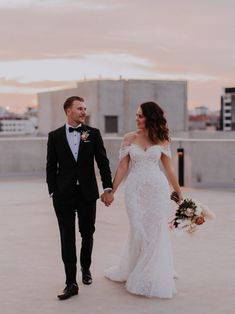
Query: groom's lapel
[[81, 144], [65, 144]]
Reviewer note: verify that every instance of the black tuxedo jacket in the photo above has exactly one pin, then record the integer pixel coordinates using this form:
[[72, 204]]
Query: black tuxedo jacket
[[63, 170]]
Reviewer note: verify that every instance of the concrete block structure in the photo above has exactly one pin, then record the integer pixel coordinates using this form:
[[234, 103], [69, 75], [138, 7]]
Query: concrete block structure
[[112, 104]]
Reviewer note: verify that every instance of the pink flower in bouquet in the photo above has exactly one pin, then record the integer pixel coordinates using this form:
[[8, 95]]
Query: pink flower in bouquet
[[199, 220]]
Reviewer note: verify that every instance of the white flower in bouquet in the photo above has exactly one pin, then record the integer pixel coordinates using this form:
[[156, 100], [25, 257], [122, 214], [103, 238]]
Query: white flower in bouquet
[[185, 223], [189, 212], [191, 228], [198, 209]]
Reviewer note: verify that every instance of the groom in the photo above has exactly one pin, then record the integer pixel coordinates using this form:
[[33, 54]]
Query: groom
[[71, 150]]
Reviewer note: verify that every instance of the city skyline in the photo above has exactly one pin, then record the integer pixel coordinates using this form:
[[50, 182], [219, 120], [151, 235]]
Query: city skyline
[[48, 45]]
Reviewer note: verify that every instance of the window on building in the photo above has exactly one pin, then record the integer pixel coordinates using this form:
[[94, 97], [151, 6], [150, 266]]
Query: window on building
[[227, 118], [227, 124], [111, 124], [227, 110]]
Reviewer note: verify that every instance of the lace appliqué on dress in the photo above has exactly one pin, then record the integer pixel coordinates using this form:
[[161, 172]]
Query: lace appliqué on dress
[[166, 150], [124, 150], [146, 264]]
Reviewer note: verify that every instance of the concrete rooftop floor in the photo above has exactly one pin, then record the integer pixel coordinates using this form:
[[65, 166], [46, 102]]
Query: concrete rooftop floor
[[31, 271]]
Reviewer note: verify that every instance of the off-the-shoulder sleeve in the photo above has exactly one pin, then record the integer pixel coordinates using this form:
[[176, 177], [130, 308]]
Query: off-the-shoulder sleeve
[[166, 150], [124, 149]]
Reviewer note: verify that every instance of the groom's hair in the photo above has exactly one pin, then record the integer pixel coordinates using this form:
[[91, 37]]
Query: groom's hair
[[69, 101]]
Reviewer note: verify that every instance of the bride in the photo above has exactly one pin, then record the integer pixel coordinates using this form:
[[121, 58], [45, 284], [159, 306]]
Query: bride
[[146, 264]]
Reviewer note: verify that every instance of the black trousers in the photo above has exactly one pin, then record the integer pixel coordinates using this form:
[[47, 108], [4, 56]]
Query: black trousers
[[66, 211]]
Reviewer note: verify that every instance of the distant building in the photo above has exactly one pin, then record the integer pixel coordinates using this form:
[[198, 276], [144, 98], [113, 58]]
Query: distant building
[[2, 111], [112, 104], [198, 122], [31, 112], [16, 124], [227, 114], [11, 126], [201, 110], [201, 118]]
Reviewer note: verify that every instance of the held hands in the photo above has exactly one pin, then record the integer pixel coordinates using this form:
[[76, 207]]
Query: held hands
[[107, 198]]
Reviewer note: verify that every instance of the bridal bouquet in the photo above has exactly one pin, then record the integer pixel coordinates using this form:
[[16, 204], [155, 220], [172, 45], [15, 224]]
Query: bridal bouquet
[[189, 215]]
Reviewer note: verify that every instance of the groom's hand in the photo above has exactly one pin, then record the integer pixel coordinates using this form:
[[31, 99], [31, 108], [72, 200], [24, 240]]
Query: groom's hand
[[107, 198]]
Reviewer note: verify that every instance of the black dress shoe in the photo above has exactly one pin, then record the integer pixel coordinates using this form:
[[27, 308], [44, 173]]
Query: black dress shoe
[[69, 291], [86, 277]]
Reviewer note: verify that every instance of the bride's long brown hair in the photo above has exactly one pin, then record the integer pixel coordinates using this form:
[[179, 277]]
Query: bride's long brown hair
[[155, 122]]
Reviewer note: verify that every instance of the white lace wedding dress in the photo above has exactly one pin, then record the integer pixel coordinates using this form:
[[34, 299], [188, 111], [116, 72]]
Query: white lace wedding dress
[[146, 264]]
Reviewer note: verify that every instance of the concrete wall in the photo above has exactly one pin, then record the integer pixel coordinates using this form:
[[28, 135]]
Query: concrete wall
[[111, 103], [170, 95], [51, 113], [223, 135], [208, 163], [119, 98], [89, 91], [22, 155]]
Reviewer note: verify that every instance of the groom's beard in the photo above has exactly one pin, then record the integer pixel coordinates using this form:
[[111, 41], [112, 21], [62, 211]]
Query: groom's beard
[[81, 119]]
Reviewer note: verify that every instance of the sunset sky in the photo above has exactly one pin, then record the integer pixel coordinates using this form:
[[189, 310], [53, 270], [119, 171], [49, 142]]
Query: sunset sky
[[50, 44]]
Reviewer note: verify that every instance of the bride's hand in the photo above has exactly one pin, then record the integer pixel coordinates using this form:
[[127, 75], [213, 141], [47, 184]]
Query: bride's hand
[[177, 196], [107, 198], [180, 196]]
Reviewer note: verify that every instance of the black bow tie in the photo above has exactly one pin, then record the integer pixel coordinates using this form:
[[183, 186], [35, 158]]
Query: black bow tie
[[79, 129]]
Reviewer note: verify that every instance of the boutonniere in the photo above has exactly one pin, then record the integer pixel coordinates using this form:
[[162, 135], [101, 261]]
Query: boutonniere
[[84, 135]]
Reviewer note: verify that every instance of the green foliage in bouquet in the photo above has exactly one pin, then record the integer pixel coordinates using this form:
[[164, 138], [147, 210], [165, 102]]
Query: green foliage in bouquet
[[186, 210]]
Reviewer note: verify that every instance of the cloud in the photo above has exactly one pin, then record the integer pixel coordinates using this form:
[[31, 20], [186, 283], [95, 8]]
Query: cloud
[[13, 86], [90, 66], [73, 69], [153, 39], [87, 5]]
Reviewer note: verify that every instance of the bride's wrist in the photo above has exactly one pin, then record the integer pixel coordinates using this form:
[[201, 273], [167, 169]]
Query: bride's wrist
[[178, 192]]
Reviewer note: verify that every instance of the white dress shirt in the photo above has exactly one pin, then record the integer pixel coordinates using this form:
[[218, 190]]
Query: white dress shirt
[[73, 139]]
